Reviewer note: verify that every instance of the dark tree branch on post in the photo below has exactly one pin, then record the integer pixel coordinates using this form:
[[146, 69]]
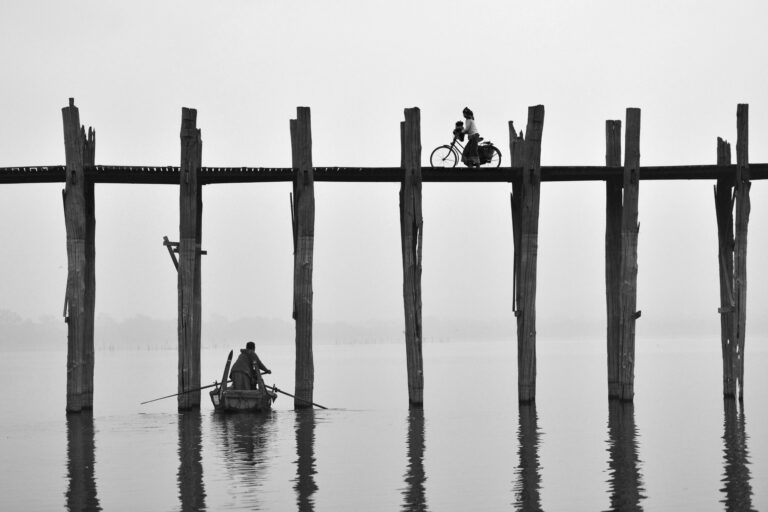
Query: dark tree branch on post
[[629, 233], [304, 241], [190, 235], [613, 208], [525, 221], [411, 229], [80, 223]]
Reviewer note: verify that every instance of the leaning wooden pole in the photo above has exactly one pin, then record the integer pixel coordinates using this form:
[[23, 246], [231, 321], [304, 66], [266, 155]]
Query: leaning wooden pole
[[740, 242], [724, 214], [613, 194], [304, 241], [80, 295], [526, 153], [411, 230], [190, 235], [629, 234]]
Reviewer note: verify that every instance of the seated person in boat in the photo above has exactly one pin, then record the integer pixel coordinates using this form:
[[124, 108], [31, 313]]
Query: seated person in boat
[[243, 372]]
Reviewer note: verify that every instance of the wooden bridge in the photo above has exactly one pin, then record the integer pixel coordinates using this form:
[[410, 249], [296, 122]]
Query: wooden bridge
[[80, 173]]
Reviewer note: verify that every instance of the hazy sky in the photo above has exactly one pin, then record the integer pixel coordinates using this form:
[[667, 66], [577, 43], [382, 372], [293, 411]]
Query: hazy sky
[[247, 65]]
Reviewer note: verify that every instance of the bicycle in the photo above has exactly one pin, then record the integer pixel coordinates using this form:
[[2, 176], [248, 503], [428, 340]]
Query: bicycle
[[448, 155]]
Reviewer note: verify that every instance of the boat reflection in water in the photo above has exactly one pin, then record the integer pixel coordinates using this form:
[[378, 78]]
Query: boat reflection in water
[[190, 475], [414, 495], [81, 491], [243, 441], [528, 472], [626, 482], [304, 484], [736, 477]]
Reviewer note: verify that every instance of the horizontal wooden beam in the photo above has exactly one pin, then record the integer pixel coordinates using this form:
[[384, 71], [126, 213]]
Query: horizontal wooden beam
[[169, 175]]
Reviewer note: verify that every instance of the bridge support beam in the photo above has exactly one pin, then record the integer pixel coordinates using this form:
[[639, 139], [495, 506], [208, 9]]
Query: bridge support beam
[[526, 191], [411, 231], [190, 237], [613, 199], [732, 254], [303, 245], [624, 389], [80, 223]]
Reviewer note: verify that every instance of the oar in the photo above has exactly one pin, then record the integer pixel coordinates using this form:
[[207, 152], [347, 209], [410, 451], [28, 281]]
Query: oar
[[274, 388], [183, 392]]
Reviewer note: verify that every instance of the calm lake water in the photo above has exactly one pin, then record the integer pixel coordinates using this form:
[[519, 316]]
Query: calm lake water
[[679, 447]]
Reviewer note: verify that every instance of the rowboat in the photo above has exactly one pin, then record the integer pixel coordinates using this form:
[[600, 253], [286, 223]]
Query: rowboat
[[227, 399]]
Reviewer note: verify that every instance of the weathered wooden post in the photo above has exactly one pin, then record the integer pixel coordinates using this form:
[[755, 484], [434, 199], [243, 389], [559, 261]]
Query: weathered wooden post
[[613, 209], [411, 231], [190, 236], [724, 214], [743, 207], [526, 154], [304, 242], [629, 233], [80, 224]]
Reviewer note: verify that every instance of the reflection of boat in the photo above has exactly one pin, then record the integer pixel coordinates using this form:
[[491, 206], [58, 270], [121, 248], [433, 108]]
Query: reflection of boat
[[226, 399]]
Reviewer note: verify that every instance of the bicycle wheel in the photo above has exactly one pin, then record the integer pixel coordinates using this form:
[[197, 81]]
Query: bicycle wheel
[[443, 156], [495, 158]]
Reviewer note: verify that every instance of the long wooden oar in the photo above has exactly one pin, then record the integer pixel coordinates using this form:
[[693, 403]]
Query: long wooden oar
[[274, 388], [183, 392]]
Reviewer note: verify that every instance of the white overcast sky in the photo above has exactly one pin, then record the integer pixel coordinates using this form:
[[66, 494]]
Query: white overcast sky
[[247, 65]]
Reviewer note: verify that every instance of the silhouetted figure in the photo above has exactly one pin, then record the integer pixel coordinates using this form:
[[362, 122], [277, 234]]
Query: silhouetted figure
[[736, 477], [471, 155], [305, 485], [81, 492], [626, 482], [415, 499], [528, 472], [190, 474], [244, 371]]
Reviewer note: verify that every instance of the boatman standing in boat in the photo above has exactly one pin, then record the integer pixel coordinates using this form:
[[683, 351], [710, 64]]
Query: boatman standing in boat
[[243, 372]]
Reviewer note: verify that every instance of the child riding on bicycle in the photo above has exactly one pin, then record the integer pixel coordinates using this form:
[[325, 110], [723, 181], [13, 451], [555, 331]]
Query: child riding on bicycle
[[470, 157]]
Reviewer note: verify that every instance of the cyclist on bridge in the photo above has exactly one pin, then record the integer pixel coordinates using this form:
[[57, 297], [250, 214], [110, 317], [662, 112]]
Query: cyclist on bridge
[[471, 155]]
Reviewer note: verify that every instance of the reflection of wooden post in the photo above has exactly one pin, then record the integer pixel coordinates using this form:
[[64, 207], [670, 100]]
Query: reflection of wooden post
[[80, 223], [724, 214], [81, 491], [740, 246], [626, 481], [190, 474], [629, 232], [304, 241], [613, 251], [527, 487], [190, 234], [526, 153], [411, 227]]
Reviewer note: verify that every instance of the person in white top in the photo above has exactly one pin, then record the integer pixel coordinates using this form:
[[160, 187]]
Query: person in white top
[[471, 155]]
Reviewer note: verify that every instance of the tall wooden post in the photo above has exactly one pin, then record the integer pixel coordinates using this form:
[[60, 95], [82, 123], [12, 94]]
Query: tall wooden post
[[411, 231], [526, 153], [629, 233], [613, 209], [724, 213], [80, 224], [190, 235], [740, 246], [304, 241]]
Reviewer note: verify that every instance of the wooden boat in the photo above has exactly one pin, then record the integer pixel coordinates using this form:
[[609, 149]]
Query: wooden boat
[[227, 399]]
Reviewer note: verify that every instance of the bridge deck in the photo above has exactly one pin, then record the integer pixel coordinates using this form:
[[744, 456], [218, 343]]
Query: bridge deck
[[169, 175]]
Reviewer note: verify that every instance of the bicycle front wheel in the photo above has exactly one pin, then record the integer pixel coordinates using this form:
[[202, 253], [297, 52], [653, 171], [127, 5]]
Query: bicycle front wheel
[[443, 156], [495, 158]]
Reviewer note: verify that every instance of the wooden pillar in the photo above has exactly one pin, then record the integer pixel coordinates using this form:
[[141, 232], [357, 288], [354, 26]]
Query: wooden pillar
[[526, 154], [740, 243], [724, 213], [629, 233], [190, 234], [80, 224], [304, 241], [411, 231], [613, 209]]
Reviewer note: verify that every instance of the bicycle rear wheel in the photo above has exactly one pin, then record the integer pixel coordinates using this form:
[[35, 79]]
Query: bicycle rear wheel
[[495, 158], [443, 156]]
